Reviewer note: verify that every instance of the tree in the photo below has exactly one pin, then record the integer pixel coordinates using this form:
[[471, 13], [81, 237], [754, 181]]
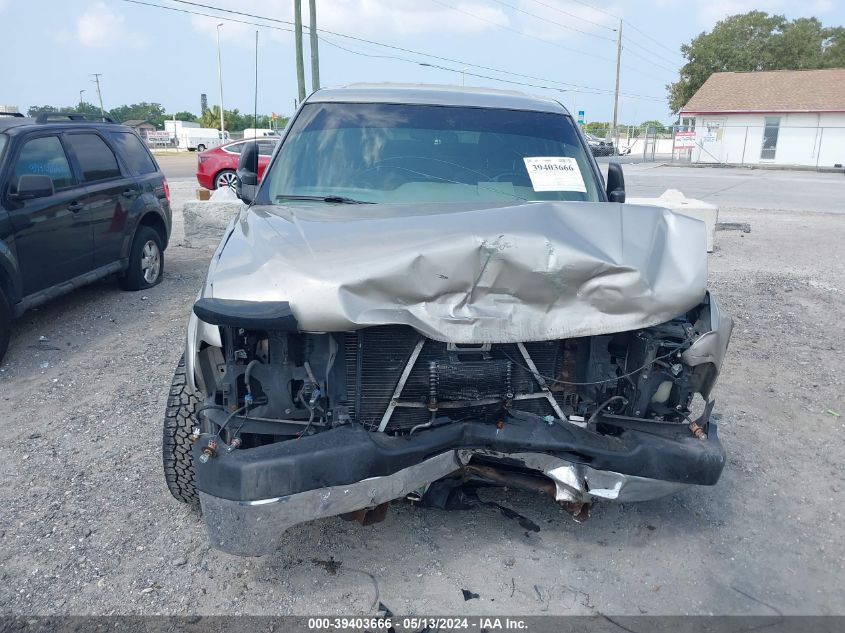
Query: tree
[[658, 126], [756, 41], [183, 116], [236, 121], [152, 112], [597, 128], [88, 109]]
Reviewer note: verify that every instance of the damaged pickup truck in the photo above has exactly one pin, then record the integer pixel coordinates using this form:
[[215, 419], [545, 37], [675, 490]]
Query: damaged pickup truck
[[432, 289]]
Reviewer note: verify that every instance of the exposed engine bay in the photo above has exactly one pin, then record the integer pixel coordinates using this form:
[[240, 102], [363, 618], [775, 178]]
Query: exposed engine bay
[[392, 379]]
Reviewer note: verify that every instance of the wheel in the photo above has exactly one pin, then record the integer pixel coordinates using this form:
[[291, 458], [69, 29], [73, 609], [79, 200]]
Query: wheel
[[146, 261], [179, 419], [5, 323], [200, 147], [226, 178]]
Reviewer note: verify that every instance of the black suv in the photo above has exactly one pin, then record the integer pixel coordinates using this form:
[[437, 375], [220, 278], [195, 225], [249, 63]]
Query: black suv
[[79, 200]]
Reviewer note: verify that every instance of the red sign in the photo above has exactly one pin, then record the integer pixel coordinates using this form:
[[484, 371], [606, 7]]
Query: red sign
[[684, 140]]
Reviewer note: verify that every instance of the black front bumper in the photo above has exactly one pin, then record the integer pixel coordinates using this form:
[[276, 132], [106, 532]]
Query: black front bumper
[[350, 454]]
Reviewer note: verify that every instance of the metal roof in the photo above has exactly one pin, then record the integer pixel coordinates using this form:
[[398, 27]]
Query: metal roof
[[430, 94]]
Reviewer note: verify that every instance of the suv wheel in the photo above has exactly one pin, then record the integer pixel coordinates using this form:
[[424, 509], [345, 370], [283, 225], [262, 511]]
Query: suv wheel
[[5, 323], [146, 261], [179, 419], [226, 178]]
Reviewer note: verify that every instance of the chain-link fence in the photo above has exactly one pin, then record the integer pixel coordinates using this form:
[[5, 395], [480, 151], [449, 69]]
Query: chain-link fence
[[718, 143]]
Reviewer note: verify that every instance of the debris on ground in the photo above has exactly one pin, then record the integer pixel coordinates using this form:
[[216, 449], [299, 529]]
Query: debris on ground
[[469, 595]]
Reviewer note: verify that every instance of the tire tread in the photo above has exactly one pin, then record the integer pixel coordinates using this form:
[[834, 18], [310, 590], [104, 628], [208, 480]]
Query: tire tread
[[179, 419]]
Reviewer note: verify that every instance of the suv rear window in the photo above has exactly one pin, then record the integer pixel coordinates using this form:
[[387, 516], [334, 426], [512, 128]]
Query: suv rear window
[[96, 160], [44, 156], [134, 153]]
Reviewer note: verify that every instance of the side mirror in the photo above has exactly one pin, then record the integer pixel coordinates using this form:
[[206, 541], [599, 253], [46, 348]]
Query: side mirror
[[615, 183], [248, 173], [34, 186]]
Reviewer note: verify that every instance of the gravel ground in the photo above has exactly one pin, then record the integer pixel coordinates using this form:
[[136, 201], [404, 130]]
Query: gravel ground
[[88, 527]]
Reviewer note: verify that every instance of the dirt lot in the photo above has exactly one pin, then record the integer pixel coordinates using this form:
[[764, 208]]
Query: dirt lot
[[88, 527]]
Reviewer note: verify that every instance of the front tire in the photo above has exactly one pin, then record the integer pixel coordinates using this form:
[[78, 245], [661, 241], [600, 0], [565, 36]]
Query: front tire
[[5, 323], [179, 420], [146, 261]]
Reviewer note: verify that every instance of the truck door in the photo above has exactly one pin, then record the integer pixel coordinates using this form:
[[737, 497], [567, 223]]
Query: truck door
[[53, 236], [110, 193]]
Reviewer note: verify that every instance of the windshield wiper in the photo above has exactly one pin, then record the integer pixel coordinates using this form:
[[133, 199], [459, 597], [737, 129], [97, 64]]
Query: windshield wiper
[[331, 199]]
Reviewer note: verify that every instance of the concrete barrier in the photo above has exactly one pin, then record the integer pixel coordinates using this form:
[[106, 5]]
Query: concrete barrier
[[205, 221]]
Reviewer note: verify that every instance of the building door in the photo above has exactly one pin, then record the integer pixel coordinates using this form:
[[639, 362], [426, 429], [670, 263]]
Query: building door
[[770, 138]]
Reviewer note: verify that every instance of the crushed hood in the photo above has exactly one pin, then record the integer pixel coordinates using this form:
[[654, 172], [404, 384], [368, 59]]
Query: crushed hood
[[467, 273]]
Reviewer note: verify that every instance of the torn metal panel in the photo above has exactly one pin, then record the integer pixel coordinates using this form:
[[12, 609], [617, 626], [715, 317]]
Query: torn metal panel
[[580, 483], [467, 273]]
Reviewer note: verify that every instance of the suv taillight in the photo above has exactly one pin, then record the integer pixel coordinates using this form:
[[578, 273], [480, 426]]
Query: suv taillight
[[166, 190]]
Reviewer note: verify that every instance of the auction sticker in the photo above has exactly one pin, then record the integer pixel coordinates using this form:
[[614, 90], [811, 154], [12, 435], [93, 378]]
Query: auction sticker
[[554, 173]]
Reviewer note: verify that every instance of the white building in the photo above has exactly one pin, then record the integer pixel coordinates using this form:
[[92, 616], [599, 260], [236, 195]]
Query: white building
[[781, 117]]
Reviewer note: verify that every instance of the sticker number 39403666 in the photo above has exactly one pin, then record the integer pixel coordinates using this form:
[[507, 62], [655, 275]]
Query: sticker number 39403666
[[554, 173]]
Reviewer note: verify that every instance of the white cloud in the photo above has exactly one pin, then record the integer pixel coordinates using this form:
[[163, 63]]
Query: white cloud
[[387, 21], [578, 17], [100, 27]]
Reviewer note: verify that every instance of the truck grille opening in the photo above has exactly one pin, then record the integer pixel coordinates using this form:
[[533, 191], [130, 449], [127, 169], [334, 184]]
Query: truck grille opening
[[376, 357]]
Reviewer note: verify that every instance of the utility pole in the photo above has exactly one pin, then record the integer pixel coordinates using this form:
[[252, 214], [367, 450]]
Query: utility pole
[[99, 95], [80, 99], [616, 94], [220, 79], [315, 53], [297, 36]]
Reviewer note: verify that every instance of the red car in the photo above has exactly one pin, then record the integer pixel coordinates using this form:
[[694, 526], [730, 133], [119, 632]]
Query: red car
[[216, 167]]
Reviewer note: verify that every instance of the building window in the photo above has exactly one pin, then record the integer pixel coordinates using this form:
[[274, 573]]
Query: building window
[[770, 138]]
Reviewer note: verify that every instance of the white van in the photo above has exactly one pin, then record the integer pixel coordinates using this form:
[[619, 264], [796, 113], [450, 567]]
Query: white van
[[201, 138], [259, 132]]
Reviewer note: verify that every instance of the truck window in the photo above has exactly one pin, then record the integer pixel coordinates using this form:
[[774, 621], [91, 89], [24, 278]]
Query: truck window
[[44, 156], [134, 153], [398, 153], [95, 158]]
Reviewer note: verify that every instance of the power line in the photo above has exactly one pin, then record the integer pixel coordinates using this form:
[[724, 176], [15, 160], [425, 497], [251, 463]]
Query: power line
[[649, 37], [540, 17], [652, 63], [628, 22], [361, 39], [207, 15], [648, 51], [572, 15], [604, 92], [518, 32], [570, 86]]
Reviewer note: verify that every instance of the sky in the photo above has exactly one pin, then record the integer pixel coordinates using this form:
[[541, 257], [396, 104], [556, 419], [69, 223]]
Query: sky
[[562, 48]]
